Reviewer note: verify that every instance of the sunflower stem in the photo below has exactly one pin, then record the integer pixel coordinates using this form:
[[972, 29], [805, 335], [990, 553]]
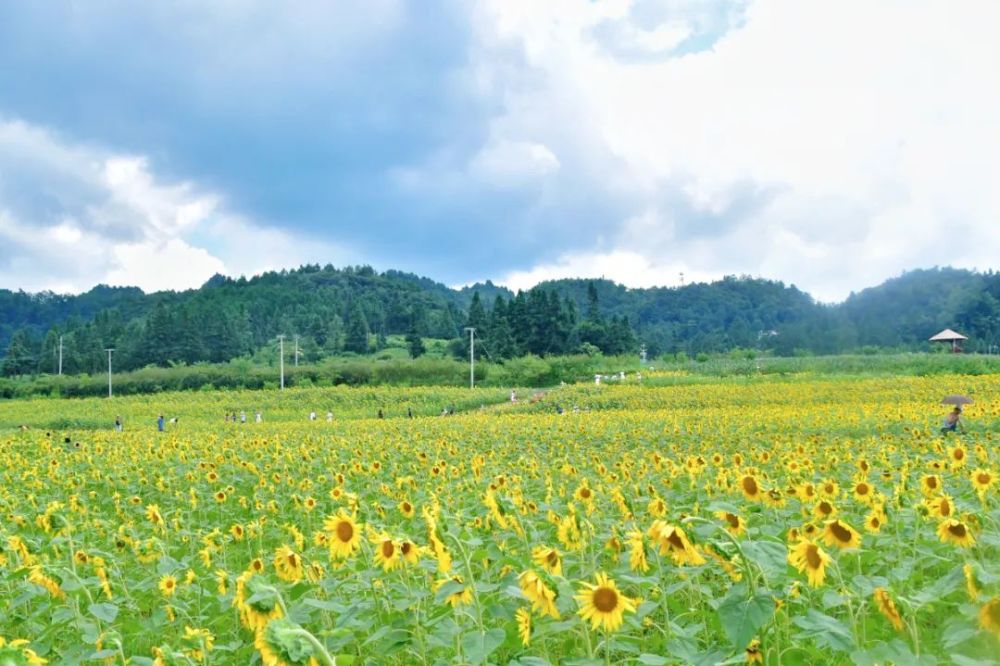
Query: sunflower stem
[[744, 562], [324, 655]]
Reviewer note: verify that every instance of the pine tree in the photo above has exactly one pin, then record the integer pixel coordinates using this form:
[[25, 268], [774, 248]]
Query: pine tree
[[356, 334]]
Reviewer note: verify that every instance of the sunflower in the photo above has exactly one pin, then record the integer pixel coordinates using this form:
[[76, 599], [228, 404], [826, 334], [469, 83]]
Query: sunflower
[[407, 509], [345, 537], [750, 487], [941, 507], [221, 581], [288, 564], [154, 516], [523, 617], [673, 541], [734, 524], [982, 479], [657, 507], [875, 520], [636, 552], [989, 616], [198, 642], [888, 608], [548, 559], [603, 605], [16, 652], [753, 654], [829, 489], [569, 533], [840, 534], [809, 558], [167, 586], [278, 646], [956, 532], [541, 596], [863, 492], [410, 552], [584, 494], [970, 581], [462, 596], [237, 531], [387, 553], [824, 510], [256, 606], [958, 456], [930, 484]]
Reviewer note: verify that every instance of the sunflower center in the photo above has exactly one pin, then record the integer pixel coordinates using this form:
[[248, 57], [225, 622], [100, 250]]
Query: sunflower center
[[932, 483], [407, 507], [945, 508], [983, 478], [841, 533], [675, 540], [585, 493], [293, 560], [605, 599], [387, 549], [876, 522], [733, 520], [345, 531], [862, 489], [750, 485], [958, 529], [407, 547], [993, 611], [959, 454], [812, 557], [552, 558], [825, 508]]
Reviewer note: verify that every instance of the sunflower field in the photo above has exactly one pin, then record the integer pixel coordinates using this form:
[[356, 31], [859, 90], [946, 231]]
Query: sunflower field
[[773, 520]]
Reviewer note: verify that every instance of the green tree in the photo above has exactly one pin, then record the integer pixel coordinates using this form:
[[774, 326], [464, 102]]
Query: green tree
[[357, 331]]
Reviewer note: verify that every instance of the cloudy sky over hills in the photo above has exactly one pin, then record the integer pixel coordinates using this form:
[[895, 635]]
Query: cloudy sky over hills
[[830, 145]]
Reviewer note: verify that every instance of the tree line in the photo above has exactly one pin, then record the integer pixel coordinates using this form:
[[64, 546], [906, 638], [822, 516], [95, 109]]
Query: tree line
[[337, 312]]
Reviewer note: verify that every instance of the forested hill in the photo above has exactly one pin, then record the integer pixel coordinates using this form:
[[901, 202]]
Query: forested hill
[[354, 309]]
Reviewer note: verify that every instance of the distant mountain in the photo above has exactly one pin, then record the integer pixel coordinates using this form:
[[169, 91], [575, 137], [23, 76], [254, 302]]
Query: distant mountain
[[334, 311]]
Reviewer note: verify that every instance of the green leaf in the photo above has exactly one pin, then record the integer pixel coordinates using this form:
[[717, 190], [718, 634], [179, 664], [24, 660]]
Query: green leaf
[[448, 589], [826, 630], [104, 611], [771, 557], [962, 660], [478, 647], [651, 659], [742, 618], [957, 630]]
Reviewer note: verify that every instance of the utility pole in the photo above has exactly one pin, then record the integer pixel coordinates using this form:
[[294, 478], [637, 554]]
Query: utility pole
[[296, 351], [472, 356], [110, 351], [60, 354], [281, 359]]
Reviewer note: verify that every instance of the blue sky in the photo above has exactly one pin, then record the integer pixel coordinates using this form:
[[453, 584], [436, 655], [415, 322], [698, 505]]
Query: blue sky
[[830, 146]]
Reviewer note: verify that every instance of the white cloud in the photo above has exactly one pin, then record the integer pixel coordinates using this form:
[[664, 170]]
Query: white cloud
[[622, 266], [513, 162], [867, 131], [73, 216]]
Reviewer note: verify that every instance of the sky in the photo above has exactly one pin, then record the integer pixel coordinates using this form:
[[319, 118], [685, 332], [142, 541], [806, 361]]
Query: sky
[[827, 145]]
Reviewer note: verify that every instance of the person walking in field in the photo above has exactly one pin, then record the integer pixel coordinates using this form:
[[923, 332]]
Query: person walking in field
[[952, 422], [161, 423], [118, 424]]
